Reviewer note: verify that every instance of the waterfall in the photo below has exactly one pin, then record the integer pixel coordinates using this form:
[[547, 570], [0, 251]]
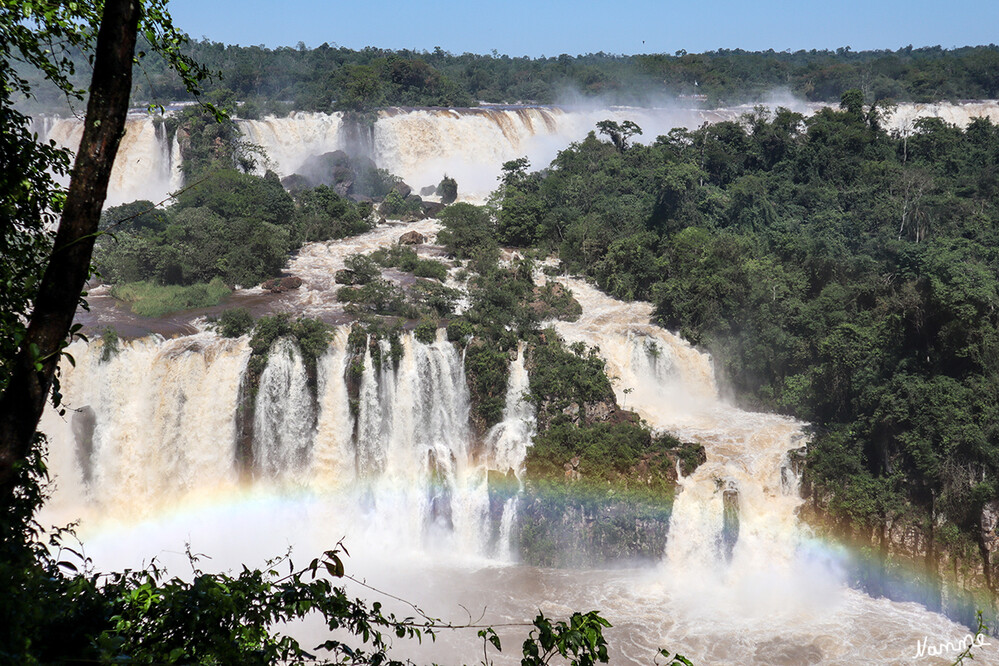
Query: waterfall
[[333, 459], [736, 514], [422, 145], [147, 165], [155, 425], [150, 424], [385, 458], [284, 416], [289, 141], [507, 441]]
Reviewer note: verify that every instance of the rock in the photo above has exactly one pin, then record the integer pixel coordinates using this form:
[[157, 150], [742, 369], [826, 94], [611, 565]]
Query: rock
[[281, 285], [432, 208], [448, 190], [83, 423], [598, 412], [345, 276], [343, 180], [403, 189], [989, 523], [412, 238], [295, 182], [360, 198], [428, 191], [337, 158], [730, 520]]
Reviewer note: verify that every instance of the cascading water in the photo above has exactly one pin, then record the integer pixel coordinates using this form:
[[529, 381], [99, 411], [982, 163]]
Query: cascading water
[[382, 452], [671, 385], [163, 424], [506, 445], [422, 145], [148, 165], [284, 417]]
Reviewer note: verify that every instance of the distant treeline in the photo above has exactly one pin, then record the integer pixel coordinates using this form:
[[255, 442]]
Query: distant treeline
[[328, 78]]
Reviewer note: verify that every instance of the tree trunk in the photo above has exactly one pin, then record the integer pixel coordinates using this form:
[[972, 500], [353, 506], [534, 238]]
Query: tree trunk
[[22, 403]]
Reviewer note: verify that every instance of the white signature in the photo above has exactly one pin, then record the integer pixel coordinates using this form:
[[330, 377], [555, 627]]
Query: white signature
[[924, 649]]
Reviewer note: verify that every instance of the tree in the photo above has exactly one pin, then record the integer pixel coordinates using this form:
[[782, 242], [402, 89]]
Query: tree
[[619, 133], [55, 303], [31, 30]]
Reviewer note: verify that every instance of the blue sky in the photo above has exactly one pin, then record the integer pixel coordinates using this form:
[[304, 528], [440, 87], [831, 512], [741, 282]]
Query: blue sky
[[525, 27]]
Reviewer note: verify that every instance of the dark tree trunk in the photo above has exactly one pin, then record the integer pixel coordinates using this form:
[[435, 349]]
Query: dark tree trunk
[[21, 405]]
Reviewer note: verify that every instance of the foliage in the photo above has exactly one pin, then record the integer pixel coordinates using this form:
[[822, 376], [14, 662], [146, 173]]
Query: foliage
[[468, 233], [379, 296], [110, 344], [426, 331], [328, 76], [447, 190], [487, 369], [324, 215], [405, 258], [363, 267], [395, 206], [233, 226], [312, 336], [619, 133], [836, 271], [566, 375], [148, 299], [234, 323], [581, 640]]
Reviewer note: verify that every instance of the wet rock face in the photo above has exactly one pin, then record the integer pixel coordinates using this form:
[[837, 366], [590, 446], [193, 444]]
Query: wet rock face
[[403, 189], [412, 238], [432, 208], [730, 521], [281, 285], [989, 523], [83, 423]]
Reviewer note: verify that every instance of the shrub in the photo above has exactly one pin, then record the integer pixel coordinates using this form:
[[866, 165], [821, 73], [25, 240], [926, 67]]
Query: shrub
[[448, 190], [234, 323], [426, 331]]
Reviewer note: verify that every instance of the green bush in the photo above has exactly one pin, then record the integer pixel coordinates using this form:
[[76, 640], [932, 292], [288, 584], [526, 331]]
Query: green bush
[[469, 233], [234, 323], [447, 189], [459, 330], [426, 331], [488, 371], [110, 344], [562, 375]]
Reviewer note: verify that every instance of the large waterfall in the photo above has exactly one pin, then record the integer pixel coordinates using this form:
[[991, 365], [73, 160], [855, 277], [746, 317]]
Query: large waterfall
[[422, 145], [148, 165], [383, 455], [154, 424], [166, 441]]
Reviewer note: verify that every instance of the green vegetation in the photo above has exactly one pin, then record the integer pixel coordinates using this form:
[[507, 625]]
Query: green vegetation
[[234, 323], [405, 259], [148, 299], [837, 272], [330, 78], [566, 378], [447, 190], [233, 227], [110, 344], [469, 233], [312, 336]]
